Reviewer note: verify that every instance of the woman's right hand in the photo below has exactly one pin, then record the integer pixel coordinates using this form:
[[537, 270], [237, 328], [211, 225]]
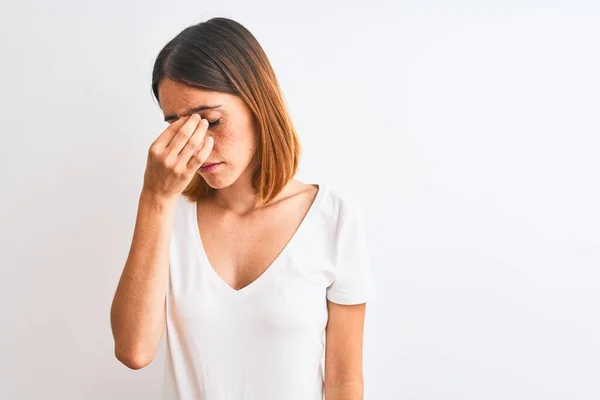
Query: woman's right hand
[[175, 156]]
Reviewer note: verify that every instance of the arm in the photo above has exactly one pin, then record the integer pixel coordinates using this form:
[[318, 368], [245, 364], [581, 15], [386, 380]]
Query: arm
[[343, 352], [138, 309]]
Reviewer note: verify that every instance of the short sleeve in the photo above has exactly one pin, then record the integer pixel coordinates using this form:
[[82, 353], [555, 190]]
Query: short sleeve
[[353, 283]]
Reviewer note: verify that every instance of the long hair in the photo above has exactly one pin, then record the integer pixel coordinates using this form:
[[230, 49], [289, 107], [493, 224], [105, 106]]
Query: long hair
[[221, 55]]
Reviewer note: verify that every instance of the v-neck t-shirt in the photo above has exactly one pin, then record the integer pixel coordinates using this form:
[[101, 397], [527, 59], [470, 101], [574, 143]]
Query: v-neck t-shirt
[[265, 341]]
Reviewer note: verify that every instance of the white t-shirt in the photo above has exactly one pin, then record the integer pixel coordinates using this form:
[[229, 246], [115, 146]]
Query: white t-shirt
[[265, 341]]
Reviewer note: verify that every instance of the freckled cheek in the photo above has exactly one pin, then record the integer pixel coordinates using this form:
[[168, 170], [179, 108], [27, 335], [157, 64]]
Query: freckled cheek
[[226, 140], [233, 140], [219, 141], [222, 143]]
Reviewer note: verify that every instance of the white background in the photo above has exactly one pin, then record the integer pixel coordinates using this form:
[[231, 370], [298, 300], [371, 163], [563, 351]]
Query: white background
[[468, 129]]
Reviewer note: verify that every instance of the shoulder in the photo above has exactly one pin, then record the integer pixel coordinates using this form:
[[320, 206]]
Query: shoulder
[[340, 204]]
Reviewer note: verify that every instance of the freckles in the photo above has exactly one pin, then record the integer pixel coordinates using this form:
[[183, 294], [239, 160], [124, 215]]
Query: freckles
[[227, 137], [223, 140]]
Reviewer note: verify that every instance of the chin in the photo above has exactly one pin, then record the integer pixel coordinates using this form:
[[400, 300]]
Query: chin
[[214, 181], [220, 179]]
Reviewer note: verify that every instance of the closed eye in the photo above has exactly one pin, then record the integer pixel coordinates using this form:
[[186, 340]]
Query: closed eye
[[210, 124], [215, 123]]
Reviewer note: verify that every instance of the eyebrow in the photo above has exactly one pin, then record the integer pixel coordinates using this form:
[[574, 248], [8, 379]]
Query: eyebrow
[[192, 111]]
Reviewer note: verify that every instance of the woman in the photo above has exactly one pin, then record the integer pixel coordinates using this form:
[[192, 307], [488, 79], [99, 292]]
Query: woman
[[248, 270]]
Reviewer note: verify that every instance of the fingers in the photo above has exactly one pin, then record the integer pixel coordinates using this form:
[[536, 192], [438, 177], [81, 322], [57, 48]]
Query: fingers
[[194, 143], [201, 156], [184, 134], [168, 134]]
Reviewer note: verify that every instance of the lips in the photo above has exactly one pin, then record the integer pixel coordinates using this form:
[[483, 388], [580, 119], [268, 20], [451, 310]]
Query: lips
[[208, 168]]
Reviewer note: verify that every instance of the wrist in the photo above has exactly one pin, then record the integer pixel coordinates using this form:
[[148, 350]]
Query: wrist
[[156, 201]]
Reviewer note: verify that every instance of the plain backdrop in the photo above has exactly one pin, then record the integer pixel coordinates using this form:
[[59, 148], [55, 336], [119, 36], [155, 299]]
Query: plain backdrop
[[469, 130]]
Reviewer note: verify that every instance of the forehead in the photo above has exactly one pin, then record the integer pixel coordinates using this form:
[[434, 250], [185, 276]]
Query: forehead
[[176, 98]]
